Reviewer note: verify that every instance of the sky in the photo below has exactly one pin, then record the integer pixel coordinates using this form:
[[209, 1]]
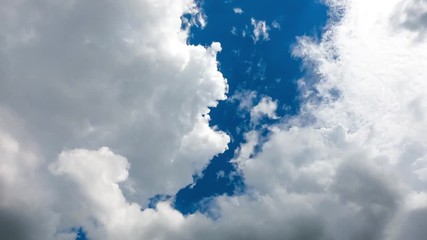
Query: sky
[[225, 119]]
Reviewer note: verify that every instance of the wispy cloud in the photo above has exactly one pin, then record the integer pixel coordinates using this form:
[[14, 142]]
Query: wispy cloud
[[260, 31]]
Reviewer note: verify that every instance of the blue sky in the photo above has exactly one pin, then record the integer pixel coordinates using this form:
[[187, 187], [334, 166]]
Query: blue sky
[[225, 119], [266, 67]]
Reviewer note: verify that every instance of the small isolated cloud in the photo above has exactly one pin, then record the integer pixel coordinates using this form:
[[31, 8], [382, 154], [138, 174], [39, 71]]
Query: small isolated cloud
[[234, 30], [275, 24], [248, 103], [265, 108], [237, 10], [260, 31], [220, 174]]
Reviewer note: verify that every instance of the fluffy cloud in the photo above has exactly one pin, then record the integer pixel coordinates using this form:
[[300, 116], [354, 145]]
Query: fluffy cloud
[[254, 105], [352, 165], [355, 156], [87, 74], [102, 208], [266, 107]]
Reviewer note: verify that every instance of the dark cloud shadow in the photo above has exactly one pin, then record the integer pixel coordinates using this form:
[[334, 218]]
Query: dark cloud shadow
[[414, 228], [14, 226]]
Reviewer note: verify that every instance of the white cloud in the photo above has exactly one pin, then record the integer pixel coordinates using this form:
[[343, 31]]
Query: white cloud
[[107, 74], [237, 10], [102, 208], [350, 166], [260, 31], [247, 149], [266, 107], [87, 74], [245, 99], [353, 160], [257, 109]]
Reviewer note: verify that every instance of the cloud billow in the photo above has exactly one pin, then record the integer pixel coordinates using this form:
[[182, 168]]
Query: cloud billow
[[86, 74]]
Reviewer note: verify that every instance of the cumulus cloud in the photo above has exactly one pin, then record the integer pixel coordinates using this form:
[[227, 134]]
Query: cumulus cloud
[[87, 74], [351, 165], [353, 159], [92, 74], [104, 212]]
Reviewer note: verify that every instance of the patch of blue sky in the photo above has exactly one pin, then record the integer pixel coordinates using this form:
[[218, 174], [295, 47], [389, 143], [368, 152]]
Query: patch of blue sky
[[80, 233], [256, 64]]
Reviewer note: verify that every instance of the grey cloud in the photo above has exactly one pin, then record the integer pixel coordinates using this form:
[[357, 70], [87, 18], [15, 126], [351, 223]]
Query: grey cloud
[[412, 15], [414, 227], [16, 227], [27, 223], [357, 182], [370, 190]]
